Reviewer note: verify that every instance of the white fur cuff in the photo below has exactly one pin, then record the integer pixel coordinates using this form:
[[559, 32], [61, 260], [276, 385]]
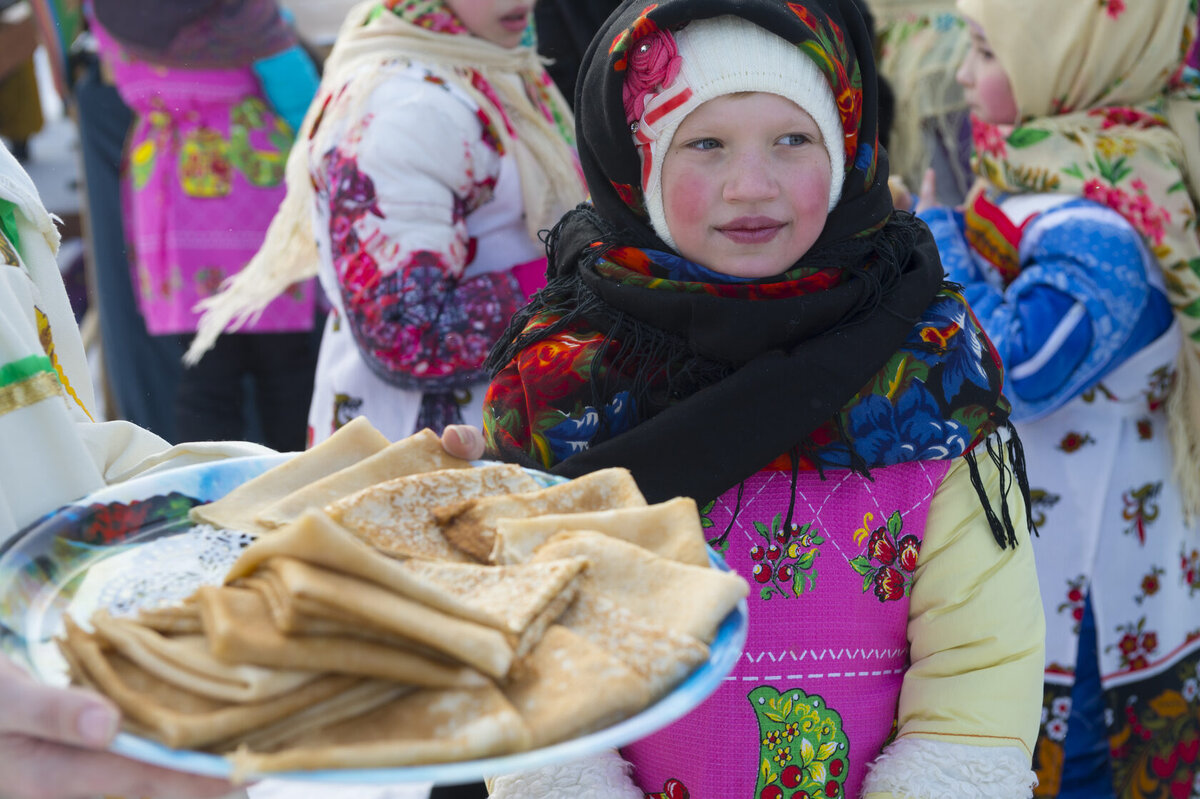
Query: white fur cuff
[[920, 768], [604, 776]]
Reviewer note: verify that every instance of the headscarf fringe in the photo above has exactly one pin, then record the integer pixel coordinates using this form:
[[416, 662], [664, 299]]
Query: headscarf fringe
[[1007, 453]]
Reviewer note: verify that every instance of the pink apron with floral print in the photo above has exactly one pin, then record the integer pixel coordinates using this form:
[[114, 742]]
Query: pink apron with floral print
[[814, 697], [203, 180]]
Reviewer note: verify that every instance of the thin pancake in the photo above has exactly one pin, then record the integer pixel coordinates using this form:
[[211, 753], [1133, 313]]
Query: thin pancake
[[670, 529], [477, 645], [471, 525], [317, 539], [569, 686], [176, 717], [185, 661], [683, 598], [237, 509], [425, 726], [420, 452], [239, 630], [397, 517]]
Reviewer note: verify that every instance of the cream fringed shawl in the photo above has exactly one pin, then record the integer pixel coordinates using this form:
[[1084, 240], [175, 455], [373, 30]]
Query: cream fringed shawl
[[921, 44], [538, 133]]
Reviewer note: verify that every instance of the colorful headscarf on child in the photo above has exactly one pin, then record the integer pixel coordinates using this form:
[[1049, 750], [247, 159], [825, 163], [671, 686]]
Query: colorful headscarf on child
[[856, 357], [511, 89], [1106, 114]]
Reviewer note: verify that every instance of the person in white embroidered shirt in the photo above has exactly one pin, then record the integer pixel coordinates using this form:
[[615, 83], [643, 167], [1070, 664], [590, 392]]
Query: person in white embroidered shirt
[[52, 451]]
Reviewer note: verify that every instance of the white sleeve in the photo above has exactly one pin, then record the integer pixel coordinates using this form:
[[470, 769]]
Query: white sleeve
[[51, 450]]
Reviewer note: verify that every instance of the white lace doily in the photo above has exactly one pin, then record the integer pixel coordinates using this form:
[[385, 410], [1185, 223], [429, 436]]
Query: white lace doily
[[163, 571]]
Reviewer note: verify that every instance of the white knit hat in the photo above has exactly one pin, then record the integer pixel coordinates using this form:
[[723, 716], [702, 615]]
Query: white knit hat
[[725, 55]]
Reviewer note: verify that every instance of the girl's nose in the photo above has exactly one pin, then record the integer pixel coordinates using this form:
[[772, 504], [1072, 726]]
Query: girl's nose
[[963, 74], [750, 179]]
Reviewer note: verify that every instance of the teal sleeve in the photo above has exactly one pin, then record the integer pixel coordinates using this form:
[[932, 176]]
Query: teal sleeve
[[289, 80]]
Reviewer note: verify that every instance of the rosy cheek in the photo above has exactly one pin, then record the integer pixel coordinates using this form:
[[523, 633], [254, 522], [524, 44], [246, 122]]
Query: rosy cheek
[[686, 205]]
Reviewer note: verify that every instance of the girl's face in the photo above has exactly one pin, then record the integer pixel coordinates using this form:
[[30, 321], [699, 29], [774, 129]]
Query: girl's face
[[500, 22], [745, 184], [985, 82]]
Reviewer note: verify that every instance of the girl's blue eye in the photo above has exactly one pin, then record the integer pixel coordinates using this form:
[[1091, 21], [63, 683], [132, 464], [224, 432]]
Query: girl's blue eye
[[984, 51], [704, 144], [796, 139]]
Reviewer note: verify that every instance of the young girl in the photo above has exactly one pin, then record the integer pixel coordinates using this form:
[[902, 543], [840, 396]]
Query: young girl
[[436, 150], [204, 176], [1074, 247], [743, 318]]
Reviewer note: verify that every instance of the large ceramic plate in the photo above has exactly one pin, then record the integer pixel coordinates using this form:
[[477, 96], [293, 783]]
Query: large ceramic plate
[[131, 546]]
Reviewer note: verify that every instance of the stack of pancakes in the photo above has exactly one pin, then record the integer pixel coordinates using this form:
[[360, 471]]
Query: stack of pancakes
[[401, 607]]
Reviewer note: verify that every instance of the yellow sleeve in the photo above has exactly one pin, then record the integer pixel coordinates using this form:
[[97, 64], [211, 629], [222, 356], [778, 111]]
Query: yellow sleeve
[[972, 696]]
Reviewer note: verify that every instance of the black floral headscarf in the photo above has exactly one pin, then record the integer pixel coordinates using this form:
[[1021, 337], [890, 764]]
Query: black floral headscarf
[[832, 32], [846, 360]]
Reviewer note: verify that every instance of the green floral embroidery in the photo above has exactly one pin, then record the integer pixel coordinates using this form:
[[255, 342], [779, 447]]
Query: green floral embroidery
[[804, 748]]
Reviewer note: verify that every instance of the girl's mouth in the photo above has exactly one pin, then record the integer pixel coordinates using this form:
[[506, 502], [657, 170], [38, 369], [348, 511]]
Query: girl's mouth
[[515, 21], [756, 230]]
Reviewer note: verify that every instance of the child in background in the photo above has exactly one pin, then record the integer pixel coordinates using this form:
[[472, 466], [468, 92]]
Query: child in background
[[1073, 248], [435, 152], [743, 318], [204, 176]]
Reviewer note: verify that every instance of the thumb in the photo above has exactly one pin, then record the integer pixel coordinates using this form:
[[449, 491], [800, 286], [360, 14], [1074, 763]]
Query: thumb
[[66, 715], [463, 441]]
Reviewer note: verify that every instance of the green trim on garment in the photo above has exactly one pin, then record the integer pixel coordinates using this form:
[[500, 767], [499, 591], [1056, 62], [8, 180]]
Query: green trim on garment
[[24, 369], [8, 223], [8, 227]]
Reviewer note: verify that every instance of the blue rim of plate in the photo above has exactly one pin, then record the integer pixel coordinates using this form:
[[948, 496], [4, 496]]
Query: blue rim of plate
[[39, 566]]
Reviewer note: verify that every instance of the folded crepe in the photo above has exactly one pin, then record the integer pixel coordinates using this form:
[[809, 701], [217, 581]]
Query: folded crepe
[[185, 661], [178, 619], [512, 596], [171, 715], [471, 525], [670, 529], [317, 539], [569, 686], [425, 726], [683, 598], [362, 698], [421, 452], [238, 628], [294, 615], [663, 657], [347, 446], [482, 647], [397, 516]]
